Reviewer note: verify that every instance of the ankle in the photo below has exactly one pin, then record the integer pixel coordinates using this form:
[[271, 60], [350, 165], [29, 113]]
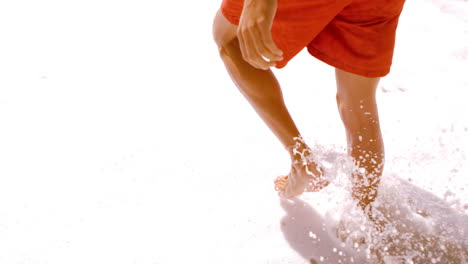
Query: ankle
[[299, 151]]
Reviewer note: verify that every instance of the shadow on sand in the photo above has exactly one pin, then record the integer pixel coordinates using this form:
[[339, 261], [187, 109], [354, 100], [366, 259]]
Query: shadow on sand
[[306, 232], [421, 228]]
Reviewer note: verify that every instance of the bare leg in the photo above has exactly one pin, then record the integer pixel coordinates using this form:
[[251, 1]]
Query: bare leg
[[358, 109], [259, 87], [262, 90]]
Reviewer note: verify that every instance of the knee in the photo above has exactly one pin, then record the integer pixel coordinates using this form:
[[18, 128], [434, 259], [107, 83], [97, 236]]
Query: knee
[[339, 105], [216, 32], [346, 110], [223, 31], [357, 111]]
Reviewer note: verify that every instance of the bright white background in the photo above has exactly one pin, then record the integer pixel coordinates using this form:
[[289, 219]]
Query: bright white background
[[123, 140]]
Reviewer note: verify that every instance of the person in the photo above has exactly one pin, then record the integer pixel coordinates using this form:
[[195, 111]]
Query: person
[[355, 36]]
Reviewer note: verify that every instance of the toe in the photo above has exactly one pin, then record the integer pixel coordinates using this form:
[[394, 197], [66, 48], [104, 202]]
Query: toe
[[279, 178], [280, 183]]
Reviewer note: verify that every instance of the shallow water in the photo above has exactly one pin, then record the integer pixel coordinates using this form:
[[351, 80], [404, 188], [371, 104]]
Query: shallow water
[[409, 225]]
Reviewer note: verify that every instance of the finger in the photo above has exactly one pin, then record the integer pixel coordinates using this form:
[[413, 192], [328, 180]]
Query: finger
[[245, 46], [264, 55], [263, 45], [255, 58], [267, 38], [240, 38]]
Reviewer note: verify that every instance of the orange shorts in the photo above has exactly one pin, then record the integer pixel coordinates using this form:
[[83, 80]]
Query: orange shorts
[[357, 36]]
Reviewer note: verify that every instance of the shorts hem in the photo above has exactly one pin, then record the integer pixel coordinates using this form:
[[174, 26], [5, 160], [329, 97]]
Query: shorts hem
[[231, 18], [345, 67]]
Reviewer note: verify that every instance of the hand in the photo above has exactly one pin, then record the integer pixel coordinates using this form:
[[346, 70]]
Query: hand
[[254, 34]]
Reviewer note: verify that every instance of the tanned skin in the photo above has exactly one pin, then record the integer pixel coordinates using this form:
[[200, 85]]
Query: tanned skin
[[248, 51]]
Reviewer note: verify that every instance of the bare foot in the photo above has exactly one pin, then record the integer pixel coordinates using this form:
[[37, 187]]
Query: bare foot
[[305, 176]]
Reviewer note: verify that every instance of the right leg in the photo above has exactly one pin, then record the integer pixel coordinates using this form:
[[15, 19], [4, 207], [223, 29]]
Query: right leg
[[263, 92]]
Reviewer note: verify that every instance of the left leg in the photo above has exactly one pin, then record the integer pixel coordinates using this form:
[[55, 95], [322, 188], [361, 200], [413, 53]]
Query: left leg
[[358, 110], [263, 91]]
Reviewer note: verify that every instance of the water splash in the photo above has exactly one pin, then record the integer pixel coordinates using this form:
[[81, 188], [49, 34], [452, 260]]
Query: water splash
[[409, 224]]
